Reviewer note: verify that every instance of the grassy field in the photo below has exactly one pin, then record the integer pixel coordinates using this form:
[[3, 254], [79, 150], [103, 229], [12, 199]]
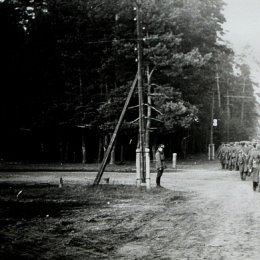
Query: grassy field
[[40, 221]]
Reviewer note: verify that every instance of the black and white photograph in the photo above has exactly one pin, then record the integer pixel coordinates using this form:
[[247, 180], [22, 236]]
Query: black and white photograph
[[130, 129]]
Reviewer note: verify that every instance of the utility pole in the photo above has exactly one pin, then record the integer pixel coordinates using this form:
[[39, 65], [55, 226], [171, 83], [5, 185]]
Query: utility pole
[[211, 145], [243, 103], [140, 88], [228, 117], [218, 88], [148, 128], [149, 106], [211, 148]]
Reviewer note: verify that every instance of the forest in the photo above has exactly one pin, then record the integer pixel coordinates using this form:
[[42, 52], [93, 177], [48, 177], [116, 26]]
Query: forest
[[67, 67]]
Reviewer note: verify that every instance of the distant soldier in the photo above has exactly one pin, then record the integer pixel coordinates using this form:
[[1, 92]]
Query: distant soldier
[[242, 161], [160, 164], [238, 147], [226, 156], [219, 149], [230, 156], [221, 154], [233, 158], [247, 149], [254, 165], [251, 150]]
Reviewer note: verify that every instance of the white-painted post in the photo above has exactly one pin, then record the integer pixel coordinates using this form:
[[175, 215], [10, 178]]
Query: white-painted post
[[138, 167], [213, 151], [147, 165], [211, 155], [61, 182], [174, 160]]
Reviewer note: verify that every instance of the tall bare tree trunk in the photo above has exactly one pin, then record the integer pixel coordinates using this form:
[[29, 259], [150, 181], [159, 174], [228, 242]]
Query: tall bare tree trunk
[[66, 155], [83, 146], [154, 147], [122, 153], [83, 139], [113, 154], [61, 152], [100, 148]]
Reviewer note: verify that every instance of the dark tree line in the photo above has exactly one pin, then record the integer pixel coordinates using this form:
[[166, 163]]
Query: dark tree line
[[67, 67]]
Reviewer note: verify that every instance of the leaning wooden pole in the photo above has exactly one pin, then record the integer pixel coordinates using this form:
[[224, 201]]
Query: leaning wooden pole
[[113, 138]]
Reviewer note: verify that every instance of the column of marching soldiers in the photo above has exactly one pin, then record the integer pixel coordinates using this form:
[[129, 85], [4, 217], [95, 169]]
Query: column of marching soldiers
[[243, 156]]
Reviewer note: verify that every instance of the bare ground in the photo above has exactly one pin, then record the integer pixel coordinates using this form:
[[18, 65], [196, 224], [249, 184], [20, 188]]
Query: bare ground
[[202, 213]]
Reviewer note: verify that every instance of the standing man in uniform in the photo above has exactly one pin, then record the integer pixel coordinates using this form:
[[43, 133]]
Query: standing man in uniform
[[254, 166], [159, 163], [241, 161]]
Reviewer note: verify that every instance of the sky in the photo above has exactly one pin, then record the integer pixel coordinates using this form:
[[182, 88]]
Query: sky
[[242, 30]]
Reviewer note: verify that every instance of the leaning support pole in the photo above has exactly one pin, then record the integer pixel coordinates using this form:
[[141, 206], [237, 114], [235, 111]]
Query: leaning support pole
[[113, 138]]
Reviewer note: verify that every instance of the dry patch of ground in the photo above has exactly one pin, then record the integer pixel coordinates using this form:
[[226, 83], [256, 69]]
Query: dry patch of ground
[[204, 213], [40, 221]]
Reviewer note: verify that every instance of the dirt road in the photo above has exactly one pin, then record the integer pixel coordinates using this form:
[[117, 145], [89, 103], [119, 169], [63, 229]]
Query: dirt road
[[219, 218], [226, 214]]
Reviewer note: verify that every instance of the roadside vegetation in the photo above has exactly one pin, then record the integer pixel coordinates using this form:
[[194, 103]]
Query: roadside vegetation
[[67, 67]]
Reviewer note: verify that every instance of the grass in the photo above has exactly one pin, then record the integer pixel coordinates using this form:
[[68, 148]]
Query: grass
[[76, 221]]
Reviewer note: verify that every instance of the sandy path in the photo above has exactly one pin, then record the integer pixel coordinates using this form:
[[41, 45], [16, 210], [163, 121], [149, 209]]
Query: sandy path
[[221, 219], [226, 215]]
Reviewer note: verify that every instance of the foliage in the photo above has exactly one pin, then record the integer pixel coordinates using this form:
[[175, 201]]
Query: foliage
[[76, 61]]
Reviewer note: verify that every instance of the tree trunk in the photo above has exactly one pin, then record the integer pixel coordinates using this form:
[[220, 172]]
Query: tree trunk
[[113, 153], [83, 146], [122, 153], [112, 156], [171, 144], [100, 148], [61, 152], [83, 140], [105, 144], [66, 155], [154, 148]]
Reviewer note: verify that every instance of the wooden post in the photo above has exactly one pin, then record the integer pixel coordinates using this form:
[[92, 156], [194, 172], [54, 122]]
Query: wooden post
[[138, 166], [147, 164], [228, 117], [212, 117], [112, 141], [218, 87], [211, 145], [149, 108], [140, 87], [174, 160]]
